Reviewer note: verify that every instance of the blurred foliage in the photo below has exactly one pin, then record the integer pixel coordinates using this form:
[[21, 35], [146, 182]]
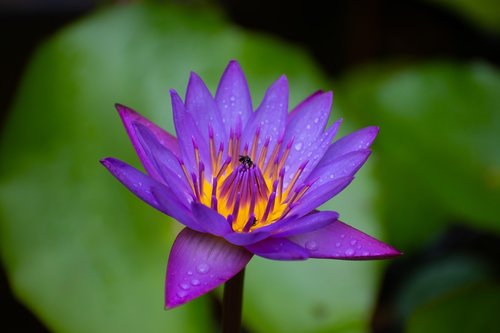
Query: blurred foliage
[[437, 153], [484, 13], [87, 256]]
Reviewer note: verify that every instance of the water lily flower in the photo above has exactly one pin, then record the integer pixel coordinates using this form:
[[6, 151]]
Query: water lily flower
[[245, 182]]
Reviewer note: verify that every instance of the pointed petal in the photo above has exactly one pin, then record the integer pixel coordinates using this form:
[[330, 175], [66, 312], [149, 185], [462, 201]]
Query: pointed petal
[[201, 105], [341, 241], [199, 263], [321, 194], [128, 117], [233, 97], [187, 131], [150, 191], [270, 116], [345, 166], [359, 140], [166, 164], [314, 154], [278, 249], [212, 221], [305, 125], [308, 223]]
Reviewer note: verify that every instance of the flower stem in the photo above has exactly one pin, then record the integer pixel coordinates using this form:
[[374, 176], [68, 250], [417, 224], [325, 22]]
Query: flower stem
[[232, 303]]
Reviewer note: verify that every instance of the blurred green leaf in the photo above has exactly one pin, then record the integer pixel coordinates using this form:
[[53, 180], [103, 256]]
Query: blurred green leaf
[[437, 151], [484, 13], [83, 253], [471, 309]]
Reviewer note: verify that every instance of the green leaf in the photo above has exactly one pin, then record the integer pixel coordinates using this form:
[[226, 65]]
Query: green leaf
[[81, 251], [438, 157]]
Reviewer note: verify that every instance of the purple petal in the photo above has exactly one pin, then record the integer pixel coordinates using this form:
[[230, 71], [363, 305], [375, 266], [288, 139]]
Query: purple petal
[[270, 116], [341, 241], [199, 263], [359, 140], [345, 166], [151, 191], [306, 127], [129, 117], [212, 221], [187, 132], [246, 238], [201, 104], [278, 249], [313, 199], [233, 97], [164, 161], [308, 223]]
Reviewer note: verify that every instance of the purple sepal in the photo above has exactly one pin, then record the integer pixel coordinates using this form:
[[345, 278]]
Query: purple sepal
[[278, 249], [212, 222], [166, 139], [233, 98], [341, 241], [199, 263]]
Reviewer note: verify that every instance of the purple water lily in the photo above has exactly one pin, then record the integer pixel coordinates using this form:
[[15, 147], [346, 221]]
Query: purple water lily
[[246, 182]]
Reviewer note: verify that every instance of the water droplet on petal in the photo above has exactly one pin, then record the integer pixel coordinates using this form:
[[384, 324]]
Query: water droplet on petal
[[316, 120], [232, 98], [353, 242], [337, 244], [195, 282], [298, 146], [181, 294], [184, 286], [308, 126], [202, 268], [366, 253], [311, 245], [190, 273], [342, 236], [349, 252]]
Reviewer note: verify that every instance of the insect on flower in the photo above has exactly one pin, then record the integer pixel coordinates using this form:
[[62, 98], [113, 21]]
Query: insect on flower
[[246, 182]]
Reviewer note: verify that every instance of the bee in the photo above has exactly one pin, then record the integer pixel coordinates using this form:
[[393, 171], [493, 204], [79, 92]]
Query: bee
[[246, 160]]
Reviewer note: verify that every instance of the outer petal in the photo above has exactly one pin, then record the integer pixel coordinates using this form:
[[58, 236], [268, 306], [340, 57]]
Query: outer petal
[[344, 166], [150, 191], [278, 249], [211, 221], [199, 263], [305, 124], [359, 140], [270, 116], [233, 98], [341, 241], [164, 161], [308, 223], [313, 199], [129, 117]]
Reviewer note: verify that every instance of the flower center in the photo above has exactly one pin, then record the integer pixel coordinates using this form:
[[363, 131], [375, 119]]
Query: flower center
[[248, 188]]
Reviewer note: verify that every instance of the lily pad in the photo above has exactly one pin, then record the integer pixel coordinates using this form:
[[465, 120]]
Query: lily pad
[[438, 157], [80, 251]]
